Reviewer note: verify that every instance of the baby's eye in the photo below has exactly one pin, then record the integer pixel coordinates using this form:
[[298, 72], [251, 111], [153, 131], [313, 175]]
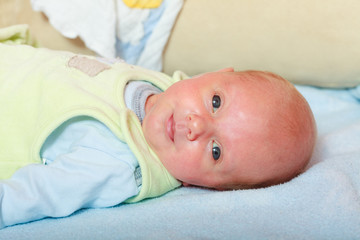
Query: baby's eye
[[216, 152], [216, 102]]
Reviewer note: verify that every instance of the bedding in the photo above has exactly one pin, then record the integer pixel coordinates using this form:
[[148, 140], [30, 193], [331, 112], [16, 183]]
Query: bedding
[[321, 203], [318, 45], [314, 43], [307, 42], [135, 31]]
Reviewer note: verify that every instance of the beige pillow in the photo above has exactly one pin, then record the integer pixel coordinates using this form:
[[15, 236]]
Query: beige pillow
[[313, 42]]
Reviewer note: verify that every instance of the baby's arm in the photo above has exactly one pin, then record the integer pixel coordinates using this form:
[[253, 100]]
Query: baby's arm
[[68, 184]]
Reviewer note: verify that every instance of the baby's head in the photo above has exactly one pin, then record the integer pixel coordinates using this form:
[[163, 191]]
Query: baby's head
[[231, 130]]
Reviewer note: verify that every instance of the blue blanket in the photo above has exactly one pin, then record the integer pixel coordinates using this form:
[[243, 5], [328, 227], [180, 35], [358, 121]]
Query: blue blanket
[[322, 203]]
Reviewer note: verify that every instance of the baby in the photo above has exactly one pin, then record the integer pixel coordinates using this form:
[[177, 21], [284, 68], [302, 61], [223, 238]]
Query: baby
[[81, 116], [231, 130]]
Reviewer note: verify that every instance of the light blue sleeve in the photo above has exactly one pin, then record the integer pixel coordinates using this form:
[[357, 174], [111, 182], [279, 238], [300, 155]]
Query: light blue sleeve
[[97, 170]]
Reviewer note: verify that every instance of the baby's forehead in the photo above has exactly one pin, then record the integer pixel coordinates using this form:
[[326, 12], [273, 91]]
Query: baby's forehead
[[250, 86]]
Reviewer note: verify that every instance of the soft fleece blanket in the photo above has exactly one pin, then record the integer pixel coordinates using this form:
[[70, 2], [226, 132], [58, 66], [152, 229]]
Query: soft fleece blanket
[[322, 203]]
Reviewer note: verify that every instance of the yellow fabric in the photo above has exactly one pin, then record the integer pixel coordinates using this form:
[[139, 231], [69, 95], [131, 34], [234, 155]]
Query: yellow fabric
[[143, 3], [17, 34], [39, 91]]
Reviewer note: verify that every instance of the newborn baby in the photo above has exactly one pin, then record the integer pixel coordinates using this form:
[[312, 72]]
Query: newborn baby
[[84, 132], [231, 130]]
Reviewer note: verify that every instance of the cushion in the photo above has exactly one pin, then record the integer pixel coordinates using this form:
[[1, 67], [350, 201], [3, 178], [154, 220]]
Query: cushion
[[306, 41]]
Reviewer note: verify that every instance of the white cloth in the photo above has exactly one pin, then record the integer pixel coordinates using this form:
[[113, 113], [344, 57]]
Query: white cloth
[[143, 33], [111, 28], [93, 21]]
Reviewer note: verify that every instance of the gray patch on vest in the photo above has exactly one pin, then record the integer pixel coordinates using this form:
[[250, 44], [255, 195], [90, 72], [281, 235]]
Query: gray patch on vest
[[88, 66]]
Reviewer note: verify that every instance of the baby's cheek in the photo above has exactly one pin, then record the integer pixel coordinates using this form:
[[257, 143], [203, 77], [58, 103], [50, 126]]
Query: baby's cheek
[[191, 155]]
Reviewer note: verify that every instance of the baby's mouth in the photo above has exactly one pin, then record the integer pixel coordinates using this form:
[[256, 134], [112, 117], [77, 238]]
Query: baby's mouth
[[170, 127]]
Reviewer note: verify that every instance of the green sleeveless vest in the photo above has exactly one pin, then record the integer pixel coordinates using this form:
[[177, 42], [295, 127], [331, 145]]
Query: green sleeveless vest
[[40, 89]]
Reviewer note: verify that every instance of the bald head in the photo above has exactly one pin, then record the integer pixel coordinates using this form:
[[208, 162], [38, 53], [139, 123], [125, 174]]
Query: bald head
[[288, 129]]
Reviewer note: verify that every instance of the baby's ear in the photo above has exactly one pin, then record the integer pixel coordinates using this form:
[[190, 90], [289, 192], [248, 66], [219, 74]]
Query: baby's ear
[[229, 69]]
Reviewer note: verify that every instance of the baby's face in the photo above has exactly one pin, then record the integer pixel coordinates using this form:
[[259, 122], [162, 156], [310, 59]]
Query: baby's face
[[205, 130]]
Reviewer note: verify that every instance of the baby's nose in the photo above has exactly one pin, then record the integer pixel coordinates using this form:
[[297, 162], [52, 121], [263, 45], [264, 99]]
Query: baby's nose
[[197, 126]]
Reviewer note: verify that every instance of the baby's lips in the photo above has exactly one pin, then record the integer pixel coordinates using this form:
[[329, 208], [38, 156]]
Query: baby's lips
[[170, 128]]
